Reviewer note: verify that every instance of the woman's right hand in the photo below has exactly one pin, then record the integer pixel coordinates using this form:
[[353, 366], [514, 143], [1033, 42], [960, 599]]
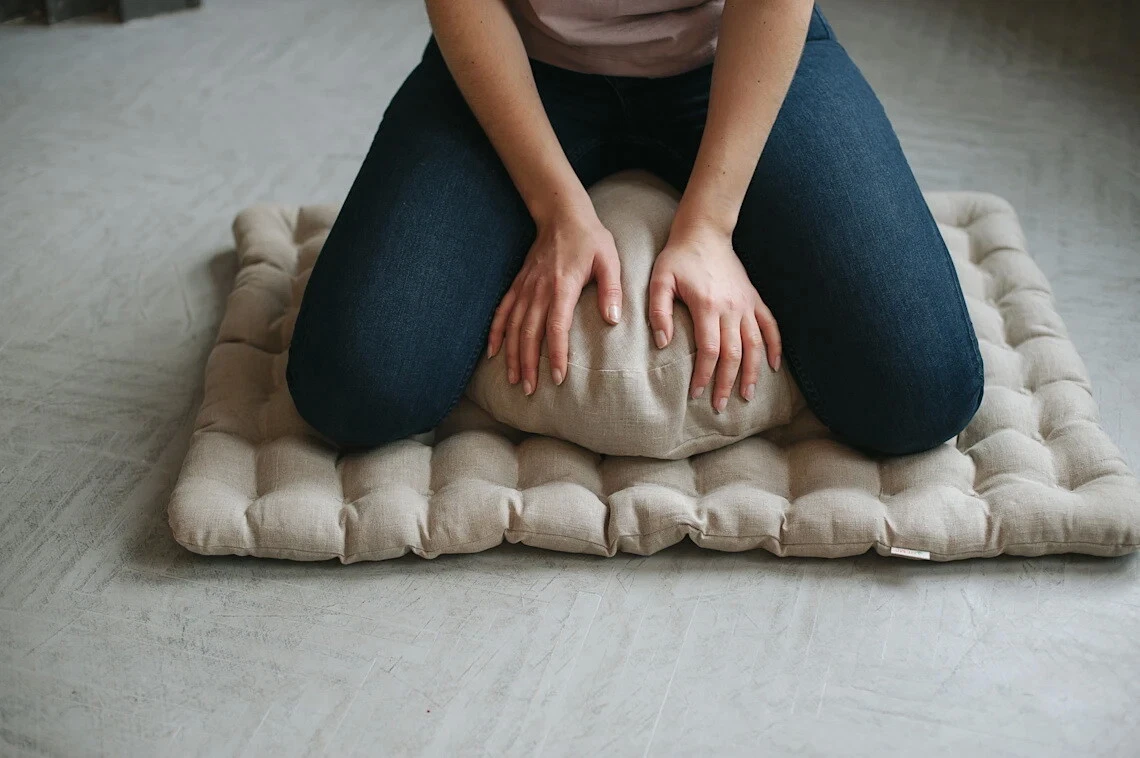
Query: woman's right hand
[[572, 248]]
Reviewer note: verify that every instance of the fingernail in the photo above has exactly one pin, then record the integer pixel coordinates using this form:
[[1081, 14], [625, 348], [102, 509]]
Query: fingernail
[[558, 376], [527, 387], [697, 392], [776, 365], [721, 404], [660, 338], [749, 391], [512, 376], [613, 313], [490, 354]]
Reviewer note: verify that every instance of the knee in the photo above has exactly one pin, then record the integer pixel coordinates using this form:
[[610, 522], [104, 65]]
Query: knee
[[919, 408], [359, 395]]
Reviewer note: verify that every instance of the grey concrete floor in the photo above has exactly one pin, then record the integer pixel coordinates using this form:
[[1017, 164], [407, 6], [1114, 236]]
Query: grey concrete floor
[[125, 152]]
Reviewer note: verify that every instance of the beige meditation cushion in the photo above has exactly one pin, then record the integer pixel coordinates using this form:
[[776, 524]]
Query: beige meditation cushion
[[622, 395], [1033, 473]]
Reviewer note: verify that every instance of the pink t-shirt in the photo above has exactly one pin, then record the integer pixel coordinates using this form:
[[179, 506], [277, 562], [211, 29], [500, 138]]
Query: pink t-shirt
[[620, 37]]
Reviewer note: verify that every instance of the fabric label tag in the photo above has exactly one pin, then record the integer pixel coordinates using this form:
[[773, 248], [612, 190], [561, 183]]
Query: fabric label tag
[[905, 552]]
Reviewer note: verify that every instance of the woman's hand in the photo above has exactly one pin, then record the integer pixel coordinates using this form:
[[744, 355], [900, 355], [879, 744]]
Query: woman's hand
[[570, 249], [732, 324]]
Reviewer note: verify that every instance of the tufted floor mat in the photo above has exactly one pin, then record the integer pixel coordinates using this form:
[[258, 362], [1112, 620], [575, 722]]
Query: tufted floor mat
[[1034, 473]]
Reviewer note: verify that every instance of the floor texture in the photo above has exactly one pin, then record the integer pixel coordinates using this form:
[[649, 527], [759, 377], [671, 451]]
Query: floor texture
[[124, 153]]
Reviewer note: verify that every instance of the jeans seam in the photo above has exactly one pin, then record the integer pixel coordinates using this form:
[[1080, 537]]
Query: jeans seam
[[650, 141], [962, 309], [807, 387], [830, 33], [467, 371], [621, 100], [656, 142], [593, 144]]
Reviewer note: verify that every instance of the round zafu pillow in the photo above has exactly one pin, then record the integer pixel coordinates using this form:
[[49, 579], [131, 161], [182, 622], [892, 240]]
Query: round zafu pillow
[[622, 395]]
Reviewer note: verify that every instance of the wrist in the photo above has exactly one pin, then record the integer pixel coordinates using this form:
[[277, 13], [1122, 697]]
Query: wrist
[[702, 215], [560, 203], [695, 221]]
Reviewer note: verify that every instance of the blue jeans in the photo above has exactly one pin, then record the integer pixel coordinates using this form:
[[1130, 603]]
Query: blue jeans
[[833, 232]]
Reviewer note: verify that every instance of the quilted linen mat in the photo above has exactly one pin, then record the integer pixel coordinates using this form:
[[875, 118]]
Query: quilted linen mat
[[1033, 473]]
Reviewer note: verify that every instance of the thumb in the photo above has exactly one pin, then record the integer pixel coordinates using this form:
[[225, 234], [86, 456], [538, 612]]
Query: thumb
[[662, 291], [607, 270]]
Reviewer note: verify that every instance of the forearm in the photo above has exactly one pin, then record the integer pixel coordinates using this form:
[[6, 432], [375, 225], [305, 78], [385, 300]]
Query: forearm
[[757, 54], [486, 57]]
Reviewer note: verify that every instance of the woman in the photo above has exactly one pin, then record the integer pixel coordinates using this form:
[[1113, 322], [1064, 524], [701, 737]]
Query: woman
[[801, 230]]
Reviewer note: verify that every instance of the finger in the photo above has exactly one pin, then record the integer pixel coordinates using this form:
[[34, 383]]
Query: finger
[[558, 323], [499, 322], [771, 332], [729, 364], [752, 342], [662, 292], [514, 326], [607, 270], [706, 324], [530, 337]]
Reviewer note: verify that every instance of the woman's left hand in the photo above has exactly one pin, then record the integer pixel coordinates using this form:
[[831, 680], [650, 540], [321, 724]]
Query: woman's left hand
[[732, 324]]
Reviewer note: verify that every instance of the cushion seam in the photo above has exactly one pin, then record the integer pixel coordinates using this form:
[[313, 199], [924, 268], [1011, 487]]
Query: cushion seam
[[1001, 550]]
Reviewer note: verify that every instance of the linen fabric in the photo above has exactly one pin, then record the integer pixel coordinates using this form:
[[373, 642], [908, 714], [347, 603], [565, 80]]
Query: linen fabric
[[1033, 473], [622, 395]]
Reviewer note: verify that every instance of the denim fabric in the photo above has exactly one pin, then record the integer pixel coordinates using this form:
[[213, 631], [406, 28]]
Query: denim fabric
[[833, 232]]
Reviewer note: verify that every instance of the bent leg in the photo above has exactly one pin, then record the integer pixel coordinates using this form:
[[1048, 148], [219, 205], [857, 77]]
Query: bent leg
[[837, 238], [398, 305]]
